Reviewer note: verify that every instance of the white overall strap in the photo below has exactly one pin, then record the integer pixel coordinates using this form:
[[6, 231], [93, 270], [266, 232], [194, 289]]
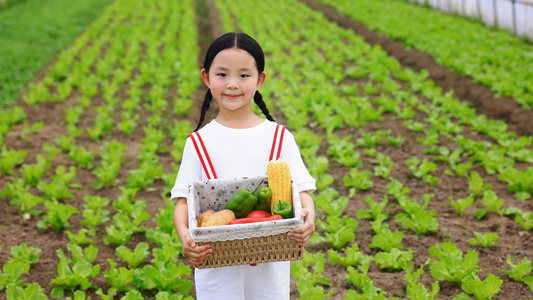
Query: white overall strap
[[203, 155], [277, 142]]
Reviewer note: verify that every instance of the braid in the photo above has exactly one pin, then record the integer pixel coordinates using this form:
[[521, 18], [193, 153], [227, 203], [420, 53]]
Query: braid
[[205, 107], [258, 99]]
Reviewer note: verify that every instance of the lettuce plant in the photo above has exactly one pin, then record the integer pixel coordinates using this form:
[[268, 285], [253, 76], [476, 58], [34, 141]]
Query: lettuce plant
[[374, 209], [94, 213], [482, 289], [492, 204], [422, 170], [386, 240], [164, 277], [75, 276], [9, 159], [525, 219], [485, 240], [395, 260], [133, 258], [462, 204], [477, 185], [33, 173], [120, 279], [83, 157], [340, 231], [447, 262], [80, 238], [417, 290], [359, 180], [352, 257], [396, 188], [57, 216], [325, 202], [521, 183], [300, 270], [358, 276], [31, 292], [415, 216], [520, 272], [384, 166]]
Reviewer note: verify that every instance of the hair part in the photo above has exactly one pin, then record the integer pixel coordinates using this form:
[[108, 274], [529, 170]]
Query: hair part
[[237, 40]]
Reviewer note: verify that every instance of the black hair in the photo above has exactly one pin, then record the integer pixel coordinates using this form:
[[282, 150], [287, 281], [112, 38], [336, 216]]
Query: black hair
[[242, 41]]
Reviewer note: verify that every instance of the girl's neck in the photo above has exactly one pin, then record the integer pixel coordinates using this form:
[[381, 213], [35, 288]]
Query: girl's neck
[[238, 120]]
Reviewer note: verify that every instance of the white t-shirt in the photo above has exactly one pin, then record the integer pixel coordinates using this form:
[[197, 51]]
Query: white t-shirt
[[239, 153]]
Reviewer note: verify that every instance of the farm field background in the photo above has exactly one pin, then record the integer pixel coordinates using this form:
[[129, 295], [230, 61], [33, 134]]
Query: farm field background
[[423, 192]]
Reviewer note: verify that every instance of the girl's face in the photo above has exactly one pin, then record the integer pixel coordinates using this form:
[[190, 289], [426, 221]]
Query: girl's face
[[233, 79]]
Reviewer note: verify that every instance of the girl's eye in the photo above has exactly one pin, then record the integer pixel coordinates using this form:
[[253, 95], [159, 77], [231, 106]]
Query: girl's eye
[[221, 75], [245, 75]]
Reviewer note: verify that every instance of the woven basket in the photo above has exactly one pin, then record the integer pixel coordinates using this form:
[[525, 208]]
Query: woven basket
[[251, 251], [241, 244]]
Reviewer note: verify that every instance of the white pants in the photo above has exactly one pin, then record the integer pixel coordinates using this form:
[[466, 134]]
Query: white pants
[[244, 282]]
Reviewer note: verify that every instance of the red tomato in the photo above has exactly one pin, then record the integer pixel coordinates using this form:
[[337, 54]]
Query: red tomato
[[258, 214]]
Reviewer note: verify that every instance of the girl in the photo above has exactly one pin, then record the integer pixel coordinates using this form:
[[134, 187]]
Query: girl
[[239, 143]]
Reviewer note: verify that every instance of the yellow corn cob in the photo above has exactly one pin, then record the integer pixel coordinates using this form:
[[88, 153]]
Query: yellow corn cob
[[279, 181]]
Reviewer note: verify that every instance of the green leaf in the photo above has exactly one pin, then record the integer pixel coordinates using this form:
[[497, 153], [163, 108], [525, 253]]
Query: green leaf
[[386, 240], [482, 290], [31, 292], [525, 220], [518, 271], [461, 205], [485, 240], [134, 258], [80, 238], [357, 278]]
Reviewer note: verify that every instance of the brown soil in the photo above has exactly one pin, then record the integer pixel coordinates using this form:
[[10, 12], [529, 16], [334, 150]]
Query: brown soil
[[513, 241]]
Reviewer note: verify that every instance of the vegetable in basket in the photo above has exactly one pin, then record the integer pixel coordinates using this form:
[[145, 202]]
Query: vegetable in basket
[[258, 213], [219, 218], [255, 220], [279, 181], [263, 199], [283, 208], [243, 202]]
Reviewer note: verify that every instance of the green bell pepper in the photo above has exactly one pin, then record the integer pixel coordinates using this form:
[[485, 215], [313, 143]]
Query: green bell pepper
[[263, 199], [243, 202], [283, 208]]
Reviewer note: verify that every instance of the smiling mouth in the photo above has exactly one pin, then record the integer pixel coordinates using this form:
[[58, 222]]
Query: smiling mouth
[[232, 96]]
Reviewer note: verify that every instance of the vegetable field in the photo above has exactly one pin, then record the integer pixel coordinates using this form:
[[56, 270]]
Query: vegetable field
[[422, 193]]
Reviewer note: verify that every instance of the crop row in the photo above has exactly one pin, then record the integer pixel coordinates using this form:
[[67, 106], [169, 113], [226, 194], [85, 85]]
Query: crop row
[[329, 80], [121, 69], [494, 58]]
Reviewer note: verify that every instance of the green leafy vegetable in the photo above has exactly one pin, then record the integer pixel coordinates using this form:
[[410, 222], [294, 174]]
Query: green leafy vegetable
[[482, 289], [387, 240], [134, 258], [31, 292], [395, 260], [352, 257], [485, 240], [449, 264], [461, 205], [57, 216]]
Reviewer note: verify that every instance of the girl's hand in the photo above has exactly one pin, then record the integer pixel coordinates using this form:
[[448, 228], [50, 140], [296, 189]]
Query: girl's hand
[[303, 233], [195, 253]]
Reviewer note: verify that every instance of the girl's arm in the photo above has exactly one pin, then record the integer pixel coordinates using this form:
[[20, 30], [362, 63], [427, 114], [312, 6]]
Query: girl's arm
[[303, 233], [196, 254]]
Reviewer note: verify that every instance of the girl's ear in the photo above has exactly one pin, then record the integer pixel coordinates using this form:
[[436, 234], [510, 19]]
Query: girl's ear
[[261, 79], [205, 77]]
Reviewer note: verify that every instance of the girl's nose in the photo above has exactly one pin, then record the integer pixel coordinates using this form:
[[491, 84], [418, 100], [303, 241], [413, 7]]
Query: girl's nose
[[232, 84]]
